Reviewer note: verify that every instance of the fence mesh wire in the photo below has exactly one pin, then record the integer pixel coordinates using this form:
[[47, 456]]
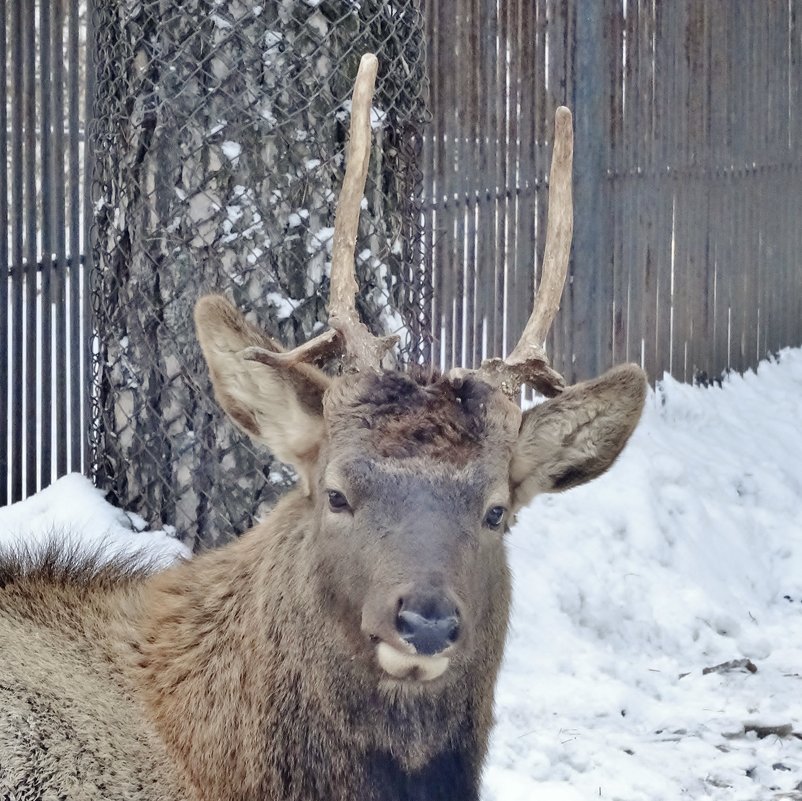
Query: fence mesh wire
[[219, 131]]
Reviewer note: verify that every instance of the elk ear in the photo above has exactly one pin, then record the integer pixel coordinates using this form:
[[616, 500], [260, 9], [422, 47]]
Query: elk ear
[[278, 407], [575, 437]]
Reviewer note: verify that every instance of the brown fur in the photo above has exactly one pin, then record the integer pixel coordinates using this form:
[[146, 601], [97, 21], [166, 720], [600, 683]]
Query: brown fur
[[71, 725], [253, 672], [421, 416]]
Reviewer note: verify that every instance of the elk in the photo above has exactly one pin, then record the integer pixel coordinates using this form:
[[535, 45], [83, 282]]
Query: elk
[[348, 646]]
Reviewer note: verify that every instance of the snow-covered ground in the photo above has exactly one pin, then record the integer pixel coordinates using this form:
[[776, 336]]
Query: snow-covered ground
[[685, 556]]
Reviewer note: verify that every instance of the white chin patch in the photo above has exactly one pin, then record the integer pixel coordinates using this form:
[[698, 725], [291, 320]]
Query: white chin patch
[[410, 666]]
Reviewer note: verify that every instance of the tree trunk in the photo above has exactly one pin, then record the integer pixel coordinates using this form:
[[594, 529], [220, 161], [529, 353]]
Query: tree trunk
[[219, 139]]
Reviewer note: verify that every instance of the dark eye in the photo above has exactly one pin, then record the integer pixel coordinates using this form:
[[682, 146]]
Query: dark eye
[[494, 516], [337, 501]]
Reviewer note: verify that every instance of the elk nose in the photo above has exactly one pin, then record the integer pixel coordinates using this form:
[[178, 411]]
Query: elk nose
[[429, 625]]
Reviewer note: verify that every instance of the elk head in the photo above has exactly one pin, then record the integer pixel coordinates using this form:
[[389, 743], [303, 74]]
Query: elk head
[[411, 480]]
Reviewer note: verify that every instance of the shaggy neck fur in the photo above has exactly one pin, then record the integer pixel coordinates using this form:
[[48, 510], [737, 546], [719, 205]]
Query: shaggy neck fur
[[259, 695]]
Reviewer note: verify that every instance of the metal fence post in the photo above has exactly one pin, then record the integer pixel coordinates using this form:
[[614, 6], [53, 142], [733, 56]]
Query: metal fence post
[[590, 284]]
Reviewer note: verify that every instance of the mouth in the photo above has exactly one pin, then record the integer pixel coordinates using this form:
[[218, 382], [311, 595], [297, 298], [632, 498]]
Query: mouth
[[410, 666]]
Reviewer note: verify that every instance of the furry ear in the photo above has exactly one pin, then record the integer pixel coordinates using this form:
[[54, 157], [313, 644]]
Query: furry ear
[[575, 437], [280, 408]]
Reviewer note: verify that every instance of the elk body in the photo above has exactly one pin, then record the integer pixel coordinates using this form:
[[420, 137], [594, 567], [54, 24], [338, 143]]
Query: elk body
[[348, 646]]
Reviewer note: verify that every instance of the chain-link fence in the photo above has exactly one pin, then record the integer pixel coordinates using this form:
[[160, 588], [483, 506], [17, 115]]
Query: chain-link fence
[[219, 139]]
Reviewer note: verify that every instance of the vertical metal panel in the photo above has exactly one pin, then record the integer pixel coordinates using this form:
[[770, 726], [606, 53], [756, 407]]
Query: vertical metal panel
[[444, 296], [32, 409], [485, 252], [17, 412], [491, 254], [786, 220], [751, 149], [457, 166], [74, 237], [88, 168], [36, 371], [61, 386], [696, 275], [682, 212], [616, 168], [512, 182], [628, 166], [776, 251], [471, 104], [590, 238], [646, 180], [4, 282], [46, 373], [765, 154], [664, 114], [793, 326], [498, 132], [634, 123], [472, 185], [717, 110]]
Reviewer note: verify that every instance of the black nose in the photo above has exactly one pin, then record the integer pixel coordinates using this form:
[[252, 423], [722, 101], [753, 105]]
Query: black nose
[[430, 625]]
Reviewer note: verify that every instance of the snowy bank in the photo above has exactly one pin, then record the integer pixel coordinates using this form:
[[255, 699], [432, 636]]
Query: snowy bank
[[72, 510], [686, 555]]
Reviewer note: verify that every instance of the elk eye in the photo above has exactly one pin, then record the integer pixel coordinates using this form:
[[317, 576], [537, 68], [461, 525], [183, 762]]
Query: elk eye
[[494, 516], [337, 501]]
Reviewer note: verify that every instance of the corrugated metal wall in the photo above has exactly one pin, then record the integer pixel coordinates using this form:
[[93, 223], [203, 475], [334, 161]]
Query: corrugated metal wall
[[43, 334], [687, 250]]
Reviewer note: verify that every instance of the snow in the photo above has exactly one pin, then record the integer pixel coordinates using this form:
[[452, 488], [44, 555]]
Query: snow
[[232, 151], [378, 116], [72, 510], [296, 218], [685, 556], [220, 22], [283, 307]]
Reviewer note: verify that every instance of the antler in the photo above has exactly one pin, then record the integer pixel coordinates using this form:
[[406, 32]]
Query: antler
[[347, 334], [527, 363]]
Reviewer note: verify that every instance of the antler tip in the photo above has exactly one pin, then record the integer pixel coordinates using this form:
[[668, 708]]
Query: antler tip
[[368, 62]]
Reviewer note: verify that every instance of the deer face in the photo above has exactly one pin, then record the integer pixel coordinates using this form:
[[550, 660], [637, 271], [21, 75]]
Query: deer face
[[413, 482], [413, 499]]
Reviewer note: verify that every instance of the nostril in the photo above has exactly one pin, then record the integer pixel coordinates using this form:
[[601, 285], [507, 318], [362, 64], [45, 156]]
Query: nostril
[[427, 635], [453, 634]]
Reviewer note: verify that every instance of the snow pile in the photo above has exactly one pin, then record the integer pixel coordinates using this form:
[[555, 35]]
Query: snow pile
[[687, 555], [72, 510]]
